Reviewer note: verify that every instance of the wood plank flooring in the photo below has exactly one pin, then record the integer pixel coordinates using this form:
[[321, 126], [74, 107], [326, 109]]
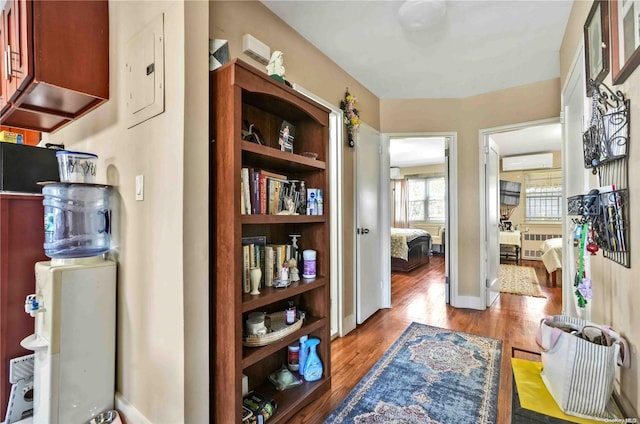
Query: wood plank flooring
[[419, 296]]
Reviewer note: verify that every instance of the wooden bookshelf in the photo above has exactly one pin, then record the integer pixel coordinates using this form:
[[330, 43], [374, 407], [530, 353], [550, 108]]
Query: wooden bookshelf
[[240, 92]]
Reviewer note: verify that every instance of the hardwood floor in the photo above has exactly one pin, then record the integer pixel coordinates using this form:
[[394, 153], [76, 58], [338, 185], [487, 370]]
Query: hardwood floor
[[420, 296]]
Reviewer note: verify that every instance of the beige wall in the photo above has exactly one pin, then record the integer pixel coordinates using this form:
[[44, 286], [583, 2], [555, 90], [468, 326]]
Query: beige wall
[[466, 117], [311, 69], [615, 290], [161, 243]]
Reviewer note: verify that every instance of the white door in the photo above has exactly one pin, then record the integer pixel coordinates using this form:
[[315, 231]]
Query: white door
[[369, 285], [575, 177], [492, 214]]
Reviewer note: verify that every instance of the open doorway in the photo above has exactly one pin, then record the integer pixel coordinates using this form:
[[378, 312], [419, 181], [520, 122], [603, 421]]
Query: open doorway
[[530, 203], [418, 207]]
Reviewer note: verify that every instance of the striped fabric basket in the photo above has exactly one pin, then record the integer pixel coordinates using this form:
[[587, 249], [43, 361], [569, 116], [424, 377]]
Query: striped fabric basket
[[579, 361]]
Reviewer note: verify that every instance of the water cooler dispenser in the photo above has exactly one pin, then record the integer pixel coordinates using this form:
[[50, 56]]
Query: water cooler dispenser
[[74, 341], [74, 308]]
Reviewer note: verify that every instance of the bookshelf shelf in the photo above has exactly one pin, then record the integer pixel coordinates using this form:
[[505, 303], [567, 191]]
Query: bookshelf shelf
[[283, 219], [277, 160], [291, 400], [269, 295], [240, 94], [252, 355]]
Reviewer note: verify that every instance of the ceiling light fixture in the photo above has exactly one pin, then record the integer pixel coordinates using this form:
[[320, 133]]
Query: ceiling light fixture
[[417, 14]]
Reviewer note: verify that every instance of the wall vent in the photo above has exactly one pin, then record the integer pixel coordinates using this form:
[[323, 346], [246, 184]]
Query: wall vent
[[532, 254], [531, 244], [519, 163], [540, 237]]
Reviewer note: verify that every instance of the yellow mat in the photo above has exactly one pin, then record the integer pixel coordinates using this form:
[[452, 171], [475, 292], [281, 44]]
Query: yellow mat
[[534, 394]]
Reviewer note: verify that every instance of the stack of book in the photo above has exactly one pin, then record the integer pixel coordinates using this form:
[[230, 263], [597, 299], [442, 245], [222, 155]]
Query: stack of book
[[268, 257], [267, 193]]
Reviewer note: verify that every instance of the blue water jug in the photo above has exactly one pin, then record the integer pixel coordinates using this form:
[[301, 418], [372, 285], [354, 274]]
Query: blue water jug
[[76, 220]]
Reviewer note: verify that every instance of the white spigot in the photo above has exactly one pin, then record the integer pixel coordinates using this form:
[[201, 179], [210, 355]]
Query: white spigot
[[32, 306]]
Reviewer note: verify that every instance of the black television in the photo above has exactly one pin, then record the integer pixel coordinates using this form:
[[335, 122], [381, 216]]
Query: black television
[[509, 193]]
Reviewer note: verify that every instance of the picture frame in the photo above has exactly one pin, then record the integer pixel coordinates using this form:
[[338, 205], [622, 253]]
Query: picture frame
[[596, 43], [286, 136], [625, 39]]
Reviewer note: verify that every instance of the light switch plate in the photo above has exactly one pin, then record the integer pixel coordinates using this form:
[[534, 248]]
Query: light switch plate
[[139, 187], [144, 69]]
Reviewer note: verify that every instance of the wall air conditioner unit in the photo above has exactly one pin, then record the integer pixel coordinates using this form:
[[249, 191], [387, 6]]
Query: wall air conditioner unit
[[519, 163], [255, 49], [394, 173]]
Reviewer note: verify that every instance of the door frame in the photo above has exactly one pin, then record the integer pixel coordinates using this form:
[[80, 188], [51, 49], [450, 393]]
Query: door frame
[[451, 223], [483, 135], [575, 78], [336, 225], [486, 150]]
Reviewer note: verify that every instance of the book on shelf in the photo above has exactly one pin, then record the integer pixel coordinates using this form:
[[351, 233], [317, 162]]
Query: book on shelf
[[268, 278], [287, 134], [245, 187], [262, 190], [254, 257], [273, 175], [266, 193], [246, 284], [243, 210]]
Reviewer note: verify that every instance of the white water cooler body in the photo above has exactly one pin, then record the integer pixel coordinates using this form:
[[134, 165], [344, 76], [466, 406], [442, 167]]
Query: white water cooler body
[[74, 340]]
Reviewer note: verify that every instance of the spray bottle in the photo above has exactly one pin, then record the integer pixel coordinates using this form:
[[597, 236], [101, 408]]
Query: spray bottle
[[313, 365]]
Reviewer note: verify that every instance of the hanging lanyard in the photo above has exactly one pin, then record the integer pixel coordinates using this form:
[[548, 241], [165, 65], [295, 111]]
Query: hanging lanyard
[[583, 239]]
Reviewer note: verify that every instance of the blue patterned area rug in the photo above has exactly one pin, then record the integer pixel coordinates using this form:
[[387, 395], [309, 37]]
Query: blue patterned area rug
[[429, 375]]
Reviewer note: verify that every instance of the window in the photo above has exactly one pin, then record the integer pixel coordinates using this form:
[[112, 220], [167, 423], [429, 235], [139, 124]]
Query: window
[[426, 199], [543, 196]]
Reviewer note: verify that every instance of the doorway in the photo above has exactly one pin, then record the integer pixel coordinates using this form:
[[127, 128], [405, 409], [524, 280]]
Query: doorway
[[424, 166], [530, 192]]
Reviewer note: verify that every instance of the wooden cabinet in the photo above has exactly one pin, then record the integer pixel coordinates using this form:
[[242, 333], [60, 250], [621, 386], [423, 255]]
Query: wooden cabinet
[[55, 62], [21, 246], [240, 92]]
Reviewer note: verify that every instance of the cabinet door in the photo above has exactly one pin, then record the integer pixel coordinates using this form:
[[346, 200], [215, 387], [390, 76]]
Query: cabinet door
[[17, 19], [3, 80]]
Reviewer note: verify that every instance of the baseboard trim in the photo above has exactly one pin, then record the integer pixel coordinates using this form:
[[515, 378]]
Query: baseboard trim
[[129, 412]]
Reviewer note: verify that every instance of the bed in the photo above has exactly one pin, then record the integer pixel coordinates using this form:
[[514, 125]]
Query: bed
[[552, 257], [410, 248]]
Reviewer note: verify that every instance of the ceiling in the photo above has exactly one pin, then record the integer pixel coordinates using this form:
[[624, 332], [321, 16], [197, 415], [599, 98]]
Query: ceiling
[[415, 151], [477, 46]]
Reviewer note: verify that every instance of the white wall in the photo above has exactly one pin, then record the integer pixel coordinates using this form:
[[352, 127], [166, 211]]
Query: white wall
[[161, 243]]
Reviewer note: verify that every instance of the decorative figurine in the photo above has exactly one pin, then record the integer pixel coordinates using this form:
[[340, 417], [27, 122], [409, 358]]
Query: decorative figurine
[[275, 68], [294, 274], [284, 273]]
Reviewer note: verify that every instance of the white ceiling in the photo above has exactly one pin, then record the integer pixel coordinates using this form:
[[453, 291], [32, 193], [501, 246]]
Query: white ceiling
[[477, 47], [414, 151]]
